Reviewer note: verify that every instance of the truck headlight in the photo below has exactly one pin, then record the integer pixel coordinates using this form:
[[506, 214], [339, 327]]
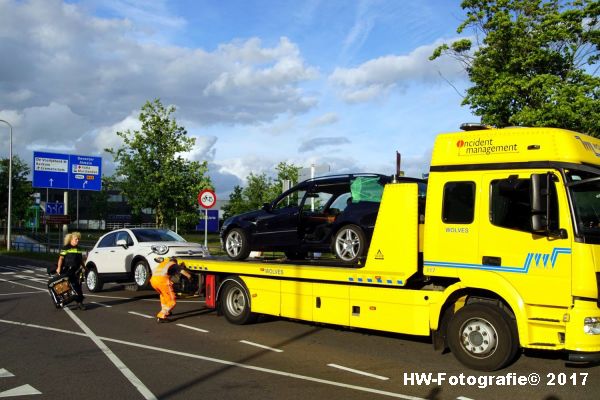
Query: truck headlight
[[591, 325], [160, 249]]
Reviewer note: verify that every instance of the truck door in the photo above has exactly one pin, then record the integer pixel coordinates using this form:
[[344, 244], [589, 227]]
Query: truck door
[[535, 264]]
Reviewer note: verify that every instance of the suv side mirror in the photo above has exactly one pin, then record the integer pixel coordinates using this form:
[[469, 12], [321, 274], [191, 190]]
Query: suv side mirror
[[266, 206], [122, 243]]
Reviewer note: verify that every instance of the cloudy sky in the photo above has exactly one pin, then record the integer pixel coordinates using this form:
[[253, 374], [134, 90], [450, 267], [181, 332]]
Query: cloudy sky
[[339, 83]]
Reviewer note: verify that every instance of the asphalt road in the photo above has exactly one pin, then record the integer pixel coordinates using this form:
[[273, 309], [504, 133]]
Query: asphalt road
[[116, 350]]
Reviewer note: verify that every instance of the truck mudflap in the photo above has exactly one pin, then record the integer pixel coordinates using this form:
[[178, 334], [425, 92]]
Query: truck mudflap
[[210, 293], [584, 357]]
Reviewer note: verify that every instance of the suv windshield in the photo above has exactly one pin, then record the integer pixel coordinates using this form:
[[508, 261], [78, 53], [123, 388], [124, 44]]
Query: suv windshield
[[585, 192], [157, 235]]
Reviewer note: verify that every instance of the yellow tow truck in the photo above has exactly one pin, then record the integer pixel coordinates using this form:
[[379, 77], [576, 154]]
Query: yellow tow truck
[[506, 256]]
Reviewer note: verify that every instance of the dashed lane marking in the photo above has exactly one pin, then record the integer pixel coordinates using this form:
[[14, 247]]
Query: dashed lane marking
[[15, 294], [5, 373], [356, 371], [100, 304], [193, 328], [261, 346], [25, 390], [21, 284], [141, 315], [231, 363]]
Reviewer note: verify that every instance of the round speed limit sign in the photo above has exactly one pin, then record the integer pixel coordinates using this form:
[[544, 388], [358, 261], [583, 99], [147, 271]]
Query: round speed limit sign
[[207, 198]]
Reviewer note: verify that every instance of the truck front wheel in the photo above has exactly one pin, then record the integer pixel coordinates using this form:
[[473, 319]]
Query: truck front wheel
[[235, 303], [483, 337]]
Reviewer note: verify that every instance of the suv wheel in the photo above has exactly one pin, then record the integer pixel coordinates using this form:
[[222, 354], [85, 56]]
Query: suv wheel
[[141, 274], [93, 281], [349, 243], [236, 244]]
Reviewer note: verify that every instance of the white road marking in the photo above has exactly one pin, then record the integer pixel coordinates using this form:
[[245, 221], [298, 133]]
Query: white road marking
[[193, 328], [152, 300], [24, 390], [230, 363], [463, 398], [261, 346], [5, 374], [141, 315], [100, 304], [21, 284], [29, 278], [355, 371], [131, 377], [11, 294]]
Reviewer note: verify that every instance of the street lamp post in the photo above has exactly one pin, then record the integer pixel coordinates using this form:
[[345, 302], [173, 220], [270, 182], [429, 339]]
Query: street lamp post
[[9, 185]]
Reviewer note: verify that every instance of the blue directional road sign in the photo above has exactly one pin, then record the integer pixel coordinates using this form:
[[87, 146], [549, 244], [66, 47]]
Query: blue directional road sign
[[213, 221], [85, 173], [64, 171], [50, 170], [55, 208]]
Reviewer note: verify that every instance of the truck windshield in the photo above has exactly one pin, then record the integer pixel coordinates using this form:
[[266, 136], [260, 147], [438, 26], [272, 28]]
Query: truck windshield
[[585, 192]]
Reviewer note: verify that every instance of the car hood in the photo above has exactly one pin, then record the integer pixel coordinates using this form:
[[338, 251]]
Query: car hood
[[178, 248]]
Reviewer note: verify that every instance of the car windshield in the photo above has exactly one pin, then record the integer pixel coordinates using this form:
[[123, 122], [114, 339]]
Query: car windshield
[[157, 235], [585, 192]]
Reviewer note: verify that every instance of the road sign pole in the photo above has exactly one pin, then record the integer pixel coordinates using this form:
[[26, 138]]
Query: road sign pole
[[65, 227], [206, 228]]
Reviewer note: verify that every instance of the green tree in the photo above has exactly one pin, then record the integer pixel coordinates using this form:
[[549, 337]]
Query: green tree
[[21, 189], [285, 172], [259, 190], [236, 204], [151, 171], [535, 65]]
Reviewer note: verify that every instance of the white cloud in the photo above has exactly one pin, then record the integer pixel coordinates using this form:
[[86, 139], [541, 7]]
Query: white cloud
[[324, 120], [100, 68], [315, 143], [376, 77]]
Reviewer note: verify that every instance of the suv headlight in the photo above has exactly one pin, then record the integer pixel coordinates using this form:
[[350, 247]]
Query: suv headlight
[[160, 249], [591, 325]]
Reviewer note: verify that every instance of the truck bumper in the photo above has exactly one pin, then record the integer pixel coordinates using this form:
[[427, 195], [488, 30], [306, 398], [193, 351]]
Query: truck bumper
[[585, 357], [582, 333]]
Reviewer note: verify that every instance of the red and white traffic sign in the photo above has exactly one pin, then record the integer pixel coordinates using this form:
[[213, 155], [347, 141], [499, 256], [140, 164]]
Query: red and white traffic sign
[[207, 198]]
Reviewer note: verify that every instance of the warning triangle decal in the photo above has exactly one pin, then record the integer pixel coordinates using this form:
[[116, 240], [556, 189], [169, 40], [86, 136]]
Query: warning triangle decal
[[379, 255]]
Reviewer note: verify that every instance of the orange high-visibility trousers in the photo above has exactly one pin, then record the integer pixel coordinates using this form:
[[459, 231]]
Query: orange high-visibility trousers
[[164, 287]]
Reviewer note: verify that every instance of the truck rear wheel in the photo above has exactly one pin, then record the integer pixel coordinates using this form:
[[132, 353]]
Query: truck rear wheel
[[483, 337], [235, 303]]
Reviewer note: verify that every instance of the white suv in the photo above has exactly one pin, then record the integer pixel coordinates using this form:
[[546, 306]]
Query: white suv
[[127, 255]]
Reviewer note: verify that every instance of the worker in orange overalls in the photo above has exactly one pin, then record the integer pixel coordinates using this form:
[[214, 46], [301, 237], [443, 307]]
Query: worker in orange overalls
[[161, 282]]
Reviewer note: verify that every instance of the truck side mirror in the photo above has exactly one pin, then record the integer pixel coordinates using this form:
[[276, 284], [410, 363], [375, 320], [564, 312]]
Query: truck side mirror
[[539, 202], [540, 206], [122, 243]]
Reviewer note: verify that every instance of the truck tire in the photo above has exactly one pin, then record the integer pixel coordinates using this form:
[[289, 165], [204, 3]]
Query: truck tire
[[349, 244], [93, 281], [235, 303], [483, 337], [141, 274], [236, 245]]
